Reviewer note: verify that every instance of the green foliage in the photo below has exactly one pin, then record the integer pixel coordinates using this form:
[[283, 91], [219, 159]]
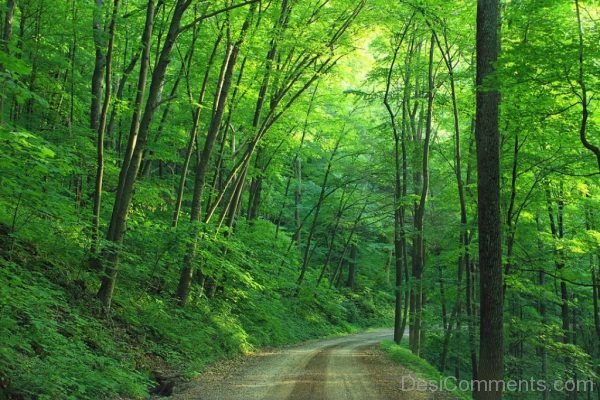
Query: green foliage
[[57, 347], [421, 368], [53, 349]]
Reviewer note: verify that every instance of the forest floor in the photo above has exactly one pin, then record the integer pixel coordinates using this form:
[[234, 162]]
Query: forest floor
[[343, 368]]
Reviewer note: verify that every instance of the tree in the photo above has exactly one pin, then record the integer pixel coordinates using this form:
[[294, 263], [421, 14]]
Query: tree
[[137, 143], [99, 121], [223, 87], [491, 336]]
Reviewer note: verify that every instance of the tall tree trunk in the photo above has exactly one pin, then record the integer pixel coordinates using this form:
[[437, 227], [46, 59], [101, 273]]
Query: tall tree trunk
[[541, 281], [464, 241], [140, 92], [596, 292], [297, 200], [116, 228], [116, 141], [229, 64], [491, 338], [399, 237], [514, 341], [596, 301], [184, 72], [194, 133], [297, 168], [557, 230], [510, 220], [128, 178], [102, 128], [443, 304], [419, 240], [471, 314], [278, 31], [402, 264], [470, 298], [99, 65], [226, 127], [235, 201], [584, 94], [147, 161], [453, 320]]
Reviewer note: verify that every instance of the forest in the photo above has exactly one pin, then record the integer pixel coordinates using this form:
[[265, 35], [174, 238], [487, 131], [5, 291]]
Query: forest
[[185, 181]]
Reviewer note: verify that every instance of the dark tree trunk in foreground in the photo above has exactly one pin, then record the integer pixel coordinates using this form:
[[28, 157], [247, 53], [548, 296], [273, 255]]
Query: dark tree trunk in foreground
[[137, 145], [110, 256], [491, 359]]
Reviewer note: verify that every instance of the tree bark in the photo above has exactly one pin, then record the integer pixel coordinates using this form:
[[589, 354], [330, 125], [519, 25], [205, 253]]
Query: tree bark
[[194, 133], [491, 338], [351, 281], [584, 95], [419, 239], [228, 68], [99, 65], [399, 184], [278, 31], [130, 169], [102, 128], [116, 141]]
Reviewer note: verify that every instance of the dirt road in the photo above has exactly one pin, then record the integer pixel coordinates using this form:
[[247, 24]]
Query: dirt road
[[350, 367]]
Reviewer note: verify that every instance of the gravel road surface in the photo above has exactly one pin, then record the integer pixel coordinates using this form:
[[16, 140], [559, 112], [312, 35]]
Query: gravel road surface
[[344, 368]]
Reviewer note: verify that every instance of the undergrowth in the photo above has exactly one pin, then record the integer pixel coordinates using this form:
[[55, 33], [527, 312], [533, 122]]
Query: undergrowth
[[56, 344]]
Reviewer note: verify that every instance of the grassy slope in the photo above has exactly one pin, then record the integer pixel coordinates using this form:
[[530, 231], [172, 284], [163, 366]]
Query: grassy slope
[[54, 346], [420, 367]]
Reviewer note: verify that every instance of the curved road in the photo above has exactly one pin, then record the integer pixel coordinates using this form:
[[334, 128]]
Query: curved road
[[345, 368]]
